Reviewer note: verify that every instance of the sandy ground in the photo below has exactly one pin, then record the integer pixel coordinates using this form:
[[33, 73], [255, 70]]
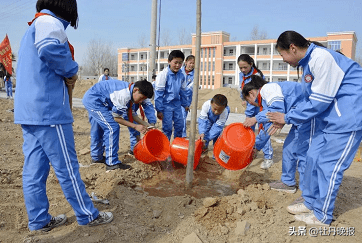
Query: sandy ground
[[150, 203]]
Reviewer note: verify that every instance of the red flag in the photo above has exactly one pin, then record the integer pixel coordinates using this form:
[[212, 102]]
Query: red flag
[[5, 55]]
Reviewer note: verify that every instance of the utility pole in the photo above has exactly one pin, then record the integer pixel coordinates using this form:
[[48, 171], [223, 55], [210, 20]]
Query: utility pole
[[152, 60], [191, 151]]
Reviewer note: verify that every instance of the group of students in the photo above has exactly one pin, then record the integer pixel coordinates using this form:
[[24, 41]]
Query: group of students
[[323, 109], [326, 117]]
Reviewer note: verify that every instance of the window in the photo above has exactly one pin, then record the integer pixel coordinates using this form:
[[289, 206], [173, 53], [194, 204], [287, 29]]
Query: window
[[334, 45], [282, 66], [281, 79], [208, 80], [265, 50], [201, 66], [231, 52], [141, 56], [265, 66], [230, 66], [230, 80], [213, 80]]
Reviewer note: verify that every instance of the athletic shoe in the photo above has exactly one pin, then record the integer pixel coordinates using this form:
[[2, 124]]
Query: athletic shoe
[[103, 218], [310, 219], [118, 166], [302, 216], [266, 164], [282, 187], [54, 222], [298, 200], [298, 208], [130, 153], [101, 161]]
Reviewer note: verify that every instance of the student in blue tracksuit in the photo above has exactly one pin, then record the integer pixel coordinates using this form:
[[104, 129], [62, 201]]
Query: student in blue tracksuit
[[280, 97], [332, 84], [171, 95], [45, 67], [108, 104], [8, 87], [247, 68], [147, 111], [213, 116], [188, 71], [105, 75]]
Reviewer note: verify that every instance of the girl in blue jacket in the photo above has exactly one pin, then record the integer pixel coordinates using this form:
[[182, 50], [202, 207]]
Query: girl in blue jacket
[[188, 71], [247, 68], [45, 68], [280, 97], [332, 85]]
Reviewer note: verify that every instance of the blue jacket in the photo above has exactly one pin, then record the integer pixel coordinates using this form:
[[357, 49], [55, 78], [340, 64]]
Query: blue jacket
[[250, 110], [41, 96], [149, 110], [209, 122], [170, 90], [332, 85], [114, 94], [276, 97], [189, 83]]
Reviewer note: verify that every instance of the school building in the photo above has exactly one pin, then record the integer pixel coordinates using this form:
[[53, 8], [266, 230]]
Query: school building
[[218, 67]]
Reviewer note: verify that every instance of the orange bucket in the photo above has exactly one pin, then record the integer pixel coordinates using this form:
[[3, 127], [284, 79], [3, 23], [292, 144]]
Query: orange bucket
[[154, 146], [179, 151], [233, 149]]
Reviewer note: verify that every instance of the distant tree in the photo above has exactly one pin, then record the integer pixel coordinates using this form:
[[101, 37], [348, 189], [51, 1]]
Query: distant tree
[[184, 37], [142, 41], [100, 55], [166, 39], [256, 34]]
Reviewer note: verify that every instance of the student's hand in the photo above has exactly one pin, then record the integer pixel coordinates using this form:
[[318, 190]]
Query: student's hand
[[142, 129], [276, 117], [275, 128], [71, 81], [160, 115], [249, 121], [202, 137], [244, 103], [187, 109]]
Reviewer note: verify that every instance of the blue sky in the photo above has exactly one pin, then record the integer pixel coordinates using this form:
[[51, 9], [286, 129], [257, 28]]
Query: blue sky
[[122, 22]]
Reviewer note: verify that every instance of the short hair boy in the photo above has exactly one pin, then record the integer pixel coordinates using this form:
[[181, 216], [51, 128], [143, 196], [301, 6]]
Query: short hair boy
[[170, 95], [105, 75], [108, 103], [213, 116]]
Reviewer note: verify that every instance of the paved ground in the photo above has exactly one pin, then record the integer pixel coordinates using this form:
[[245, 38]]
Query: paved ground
[[233, 117]]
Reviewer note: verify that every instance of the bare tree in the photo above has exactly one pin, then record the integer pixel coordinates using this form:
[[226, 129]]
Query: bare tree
[[257, 34], [142, 42], [100, 55], [166, 39], [184, 37]]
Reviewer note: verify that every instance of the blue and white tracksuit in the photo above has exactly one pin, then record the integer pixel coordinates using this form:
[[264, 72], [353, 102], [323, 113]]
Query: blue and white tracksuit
[[104, 77], [251, 111], [190, 85], [104, 101], [211, 125], [170, 95], [42, 108], [150, 114], [8, 87], [282, 97], [332, 84]]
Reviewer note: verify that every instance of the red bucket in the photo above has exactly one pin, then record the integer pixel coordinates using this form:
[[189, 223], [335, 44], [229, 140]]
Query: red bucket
[[154, 146], [179, 151], [233, 149]]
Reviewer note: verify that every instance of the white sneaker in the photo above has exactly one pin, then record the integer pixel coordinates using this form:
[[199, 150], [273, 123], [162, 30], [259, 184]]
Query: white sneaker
[[301, 217], [266, 164], [310, 219], [298, 208]]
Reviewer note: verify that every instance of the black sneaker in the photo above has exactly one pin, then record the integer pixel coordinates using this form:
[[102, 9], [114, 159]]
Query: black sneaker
[[54, 222], [101, 161], [103, 218], [118, 166]]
